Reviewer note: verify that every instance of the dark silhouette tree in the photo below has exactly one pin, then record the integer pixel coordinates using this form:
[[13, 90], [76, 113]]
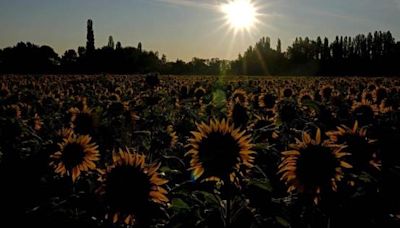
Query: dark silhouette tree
[[139, 47], [111, 42], [118, 46], [90, 47], [279, 46]]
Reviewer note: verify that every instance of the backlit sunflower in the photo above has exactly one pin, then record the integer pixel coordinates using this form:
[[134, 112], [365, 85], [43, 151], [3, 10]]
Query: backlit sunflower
[[364, 111], [77, 154], [358, 145], [130, 187], [219, 152], [238, 114], [82, 120], [267, 100], [240, 96], [312, 166]]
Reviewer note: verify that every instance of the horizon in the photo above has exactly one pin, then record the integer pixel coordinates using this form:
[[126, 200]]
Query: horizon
[[183, 29]]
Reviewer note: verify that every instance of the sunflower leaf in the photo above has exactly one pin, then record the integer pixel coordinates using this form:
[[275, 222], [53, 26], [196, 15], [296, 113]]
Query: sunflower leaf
[[179, 205], [263, 184]]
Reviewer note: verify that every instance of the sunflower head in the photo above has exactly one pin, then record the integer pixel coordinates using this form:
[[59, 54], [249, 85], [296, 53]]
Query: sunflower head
[[364, 111], [76, 155], [82, 120], [313, 167], [238, 114], [305, 96], [287, 93], [287, 110], [358, 145], [240, 96], [326, 92], [219, 152], [130, 187], [199, 92], [267, 100]]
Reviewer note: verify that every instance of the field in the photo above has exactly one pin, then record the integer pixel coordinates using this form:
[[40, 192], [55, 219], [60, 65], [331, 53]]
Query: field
[[194, 151]]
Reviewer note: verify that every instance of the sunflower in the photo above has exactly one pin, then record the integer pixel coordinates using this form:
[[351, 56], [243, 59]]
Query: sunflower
[[199, 92], [130, 187], [82, 120], [267, 100], [358, 145], [238, 114], [326, 92], [312, 166], [240, 96], [219, 152], [305, 96], [65, 133], [77, 154], [364, 111]]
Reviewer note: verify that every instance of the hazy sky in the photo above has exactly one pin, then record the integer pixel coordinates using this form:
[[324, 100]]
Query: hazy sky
[[187, 28]]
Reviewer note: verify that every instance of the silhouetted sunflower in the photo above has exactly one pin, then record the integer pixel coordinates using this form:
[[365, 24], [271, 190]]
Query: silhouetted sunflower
[[199, 92], [219, 152], [326, 92], [358, 145], [267, 100], [240, 96], [130, 187], [364, 111], [312, 166], [76, 155], [238, 114], [82, 120]]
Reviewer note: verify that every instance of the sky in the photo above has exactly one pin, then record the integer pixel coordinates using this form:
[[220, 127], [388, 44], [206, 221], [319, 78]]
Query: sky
[[182, 29]]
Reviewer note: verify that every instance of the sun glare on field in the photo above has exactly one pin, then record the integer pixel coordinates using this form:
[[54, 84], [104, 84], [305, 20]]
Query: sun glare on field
[[240, 14]]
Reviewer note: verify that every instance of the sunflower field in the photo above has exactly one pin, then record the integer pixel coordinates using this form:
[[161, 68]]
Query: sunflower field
[[199, 151]]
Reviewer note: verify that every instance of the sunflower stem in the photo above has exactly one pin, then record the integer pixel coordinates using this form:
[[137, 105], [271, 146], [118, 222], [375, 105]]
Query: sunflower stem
[[228, 204], [228, 211]]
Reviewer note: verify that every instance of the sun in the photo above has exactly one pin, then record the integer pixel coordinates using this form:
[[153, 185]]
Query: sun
[[240, 14]]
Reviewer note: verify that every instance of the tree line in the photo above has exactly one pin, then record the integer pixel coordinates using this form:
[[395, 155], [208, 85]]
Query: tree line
[[374, 54]]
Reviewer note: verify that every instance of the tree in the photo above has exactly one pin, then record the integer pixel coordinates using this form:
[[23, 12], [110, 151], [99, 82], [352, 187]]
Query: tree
[[90, 38], [279, 46], [69, 60], [139, 47], [110, 42], [118, 46]]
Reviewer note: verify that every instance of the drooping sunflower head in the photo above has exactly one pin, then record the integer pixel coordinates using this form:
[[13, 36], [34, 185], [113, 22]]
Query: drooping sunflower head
[[219, 152], [76, 155], [313, 167], [358, 145], [130, 187]]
